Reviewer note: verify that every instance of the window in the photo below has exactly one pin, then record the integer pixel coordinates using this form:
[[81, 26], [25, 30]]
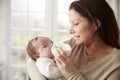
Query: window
[[62, 16], [27, 20]]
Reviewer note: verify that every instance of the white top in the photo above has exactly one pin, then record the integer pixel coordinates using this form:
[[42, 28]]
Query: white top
[[48, 68]]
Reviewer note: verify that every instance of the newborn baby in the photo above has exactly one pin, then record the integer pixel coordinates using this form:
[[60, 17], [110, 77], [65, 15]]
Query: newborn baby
[[42, 50]]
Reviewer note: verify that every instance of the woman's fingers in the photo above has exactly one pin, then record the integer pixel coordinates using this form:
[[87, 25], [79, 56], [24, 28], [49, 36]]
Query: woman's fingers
[[64, 63], [61, 53], [61, 57]]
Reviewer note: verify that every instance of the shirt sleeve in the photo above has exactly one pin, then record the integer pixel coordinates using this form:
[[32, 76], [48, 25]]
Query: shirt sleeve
[[48, 68], [53, 71], [76, 76], [115, 75]]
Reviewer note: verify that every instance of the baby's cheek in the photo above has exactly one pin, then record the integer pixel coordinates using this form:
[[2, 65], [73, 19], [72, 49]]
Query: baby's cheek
[[49, 53]]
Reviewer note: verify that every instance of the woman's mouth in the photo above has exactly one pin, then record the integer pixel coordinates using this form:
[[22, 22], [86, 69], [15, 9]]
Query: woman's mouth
[[75, 37]]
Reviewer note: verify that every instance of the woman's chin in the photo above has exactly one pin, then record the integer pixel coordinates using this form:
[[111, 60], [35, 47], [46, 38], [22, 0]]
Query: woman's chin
[[78, 43]]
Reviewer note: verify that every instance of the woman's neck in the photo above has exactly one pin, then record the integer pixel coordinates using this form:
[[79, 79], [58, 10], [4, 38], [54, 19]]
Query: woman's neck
[[98, 47]]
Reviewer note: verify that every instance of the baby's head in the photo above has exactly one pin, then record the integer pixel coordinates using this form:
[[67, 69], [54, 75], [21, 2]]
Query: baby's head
[[39, 47]]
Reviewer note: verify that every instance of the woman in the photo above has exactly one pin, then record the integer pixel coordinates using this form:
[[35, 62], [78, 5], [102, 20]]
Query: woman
[[95, 45]]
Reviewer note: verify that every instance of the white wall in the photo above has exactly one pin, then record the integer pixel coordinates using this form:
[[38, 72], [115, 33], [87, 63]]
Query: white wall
[[3, 43], [115, 4], [2, 29]]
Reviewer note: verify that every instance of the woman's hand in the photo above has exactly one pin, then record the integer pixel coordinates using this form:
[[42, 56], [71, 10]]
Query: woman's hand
[[64, 63]]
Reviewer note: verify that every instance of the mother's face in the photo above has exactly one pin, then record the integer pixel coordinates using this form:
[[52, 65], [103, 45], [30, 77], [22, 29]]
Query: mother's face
[[82, 30]]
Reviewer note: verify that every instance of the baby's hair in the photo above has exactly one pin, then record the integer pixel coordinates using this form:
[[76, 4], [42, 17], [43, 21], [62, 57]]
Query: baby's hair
[[31, 50]]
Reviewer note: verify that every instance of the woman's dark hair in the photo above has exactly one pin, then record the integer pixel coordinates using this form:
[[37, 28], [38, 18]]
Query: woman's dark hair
[[99, 9]]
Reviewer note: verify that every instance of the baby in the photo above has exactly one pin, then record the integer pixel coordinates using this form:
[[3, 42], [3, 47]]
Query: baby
[[40, 50]]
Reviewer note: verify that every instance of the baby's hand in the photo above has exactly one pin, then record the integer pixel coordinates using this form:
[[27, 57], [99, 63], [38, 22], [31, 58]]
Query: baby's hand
[[65, 47]]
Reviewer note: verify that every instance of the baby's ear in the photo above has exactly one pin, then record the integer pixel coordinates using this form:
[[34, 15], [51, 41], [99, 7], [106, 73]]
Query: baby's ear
[[36, 56]]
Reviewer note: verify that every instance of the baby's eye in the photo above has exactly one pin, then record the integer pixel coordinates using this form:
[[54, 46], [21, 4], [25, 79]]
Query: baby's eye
[[52, 42], [45, 46]]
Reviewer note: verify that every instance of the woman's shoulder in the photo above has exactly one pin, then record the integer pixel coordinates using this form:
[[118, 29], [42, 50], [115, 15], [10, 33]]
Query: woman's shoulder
[[116, 52], [116, 55]]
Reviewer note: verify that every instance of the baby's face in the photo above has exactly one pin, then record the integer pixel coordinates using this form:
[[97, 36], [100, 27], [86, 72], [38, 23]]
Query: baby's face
[[44, 45]]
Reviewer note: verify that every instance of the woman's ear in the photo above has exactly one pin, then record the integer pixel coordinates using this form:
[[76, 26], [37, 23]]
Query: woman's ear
[[97, 24]]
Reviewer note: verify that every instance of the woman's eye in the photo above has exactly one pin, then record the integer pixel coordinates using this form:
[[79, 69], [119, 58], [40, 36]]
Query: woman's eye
[[76, 24]]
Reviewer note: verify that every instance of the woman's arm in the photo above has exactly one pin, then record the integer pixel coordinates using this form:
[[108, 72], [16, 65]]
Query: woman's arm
[[67, 66], [76, 76], [114, 75]]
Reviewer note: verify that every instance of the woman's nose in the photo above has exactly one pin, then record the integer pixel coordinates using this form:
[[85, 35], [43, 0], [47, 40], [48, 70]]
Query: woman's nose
[[71, 31]]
